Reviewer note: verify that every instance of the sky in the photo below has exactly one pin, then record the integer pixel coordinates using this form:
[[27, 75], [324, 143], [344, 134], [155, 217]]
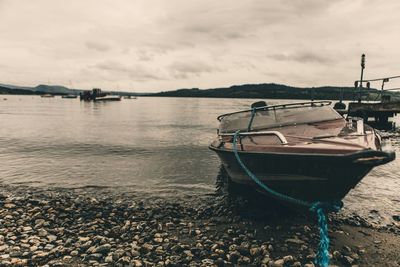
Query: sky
[[160, 45]]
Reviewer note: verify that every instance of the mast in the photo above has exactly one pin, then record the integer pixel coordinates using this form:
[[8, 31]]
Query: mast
[[362, 74]]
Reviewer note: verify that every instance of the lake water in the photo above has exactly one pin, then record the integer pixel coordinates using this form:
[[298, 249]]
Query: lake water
[[154, 145]]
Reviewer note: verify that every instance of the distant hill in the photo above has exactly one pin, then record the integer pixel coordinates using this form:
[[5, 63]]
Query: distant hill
[[277, 91], [14, 87], [51, 89], [38, 90], [8, 91], [55, 89]]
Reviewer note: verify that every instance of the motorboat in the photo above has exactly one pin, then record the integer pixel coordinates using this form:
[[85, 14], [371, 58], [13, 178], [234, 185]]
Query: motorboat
[[108, 98], [46, 95], [130, 97], [96, 94], [304, 150], [69, 96]]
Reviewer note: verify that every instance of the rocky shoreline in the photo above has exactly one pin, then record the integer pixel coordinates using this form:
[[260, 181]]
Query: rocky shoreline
[[81, 227]]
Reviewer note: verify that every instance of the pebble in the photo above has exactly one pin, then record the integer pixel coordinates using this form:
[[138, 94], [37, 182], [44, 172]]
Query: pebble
[[294, 241], [288, 259], [51, 238], [74, 253], [279, 263], [42, 233], [103, 249], [137, 263], [348, 260]]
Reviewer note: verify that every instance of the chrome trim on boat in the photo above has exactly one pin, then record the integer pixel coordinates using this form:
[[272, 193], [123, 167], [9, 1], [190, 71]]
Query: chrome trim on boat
[[282, 106], [281, 137]]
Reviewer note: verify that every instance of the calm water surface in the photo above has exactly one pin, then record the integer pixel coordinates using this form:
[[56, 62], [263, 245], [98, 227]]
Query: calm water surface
[[153, 145]]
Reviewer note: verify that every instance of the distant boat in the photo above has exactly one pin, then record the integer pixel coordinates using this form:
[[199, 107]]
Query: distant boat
[[130, 97], [108, 98], [69, 96], [47, 95], [97, 95]]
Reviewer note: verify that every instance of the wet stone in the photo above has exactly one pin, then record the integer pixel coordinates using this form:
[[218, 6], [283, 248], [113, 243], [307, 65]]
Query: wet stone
[[103, 249], [95, 256], [288, 259], [49, 247], [137, 263], [348, 260], [42, 233], [255, 251], [74, 253], [51, 238], [279, 263], [108, 259], [294, 241], [9, 206], [207, 261]]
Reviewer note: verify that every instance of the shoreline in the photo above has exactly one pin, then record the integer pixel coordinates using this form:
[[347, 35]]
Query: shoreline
[[69, 227]]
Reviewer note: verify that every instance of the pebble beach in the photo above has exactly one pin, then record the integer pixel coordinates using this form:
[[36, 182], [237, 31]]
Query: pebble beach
[[94, 227]]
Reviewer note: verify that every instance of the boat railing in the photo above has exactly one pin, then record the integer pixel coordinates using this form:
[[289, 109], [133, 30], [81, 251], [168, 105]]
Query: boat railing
[[280, 136], [281, 106]]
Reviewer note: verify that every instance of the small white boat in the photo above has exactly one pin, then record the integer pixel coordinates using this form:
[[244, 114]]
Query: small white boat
[[69, 96], [47, 96], [108, 98]]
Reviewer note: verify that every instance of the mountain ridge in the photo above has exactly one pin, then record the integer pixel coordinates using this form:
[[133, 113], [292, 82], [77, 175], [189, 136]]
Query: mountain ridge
[[277, 91], [261, 90]]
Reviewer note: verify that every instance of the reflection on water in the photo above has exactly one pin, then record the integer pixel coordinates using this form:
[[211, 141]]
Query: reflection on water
[[153, 145]]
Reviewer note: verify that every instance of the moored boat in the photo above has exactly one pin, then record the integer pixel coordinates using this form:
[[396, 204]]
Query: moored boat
[[97, 95], [69, 96], [108, 98], [304, 150], [46, 95]]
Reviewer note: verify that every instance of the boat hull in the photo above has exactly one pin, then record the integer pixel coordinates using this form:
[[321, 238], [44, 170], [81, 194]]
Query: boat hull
[[310, 177]]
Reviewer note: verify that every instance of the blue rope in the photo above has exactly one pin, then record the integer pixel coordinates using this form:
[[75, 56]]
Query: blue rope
[[322, 258], [320, 208]]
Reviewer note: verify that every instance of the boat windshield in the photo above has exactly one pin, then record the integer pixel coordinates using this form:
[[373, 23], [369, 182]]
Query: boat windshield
[[264, 119]]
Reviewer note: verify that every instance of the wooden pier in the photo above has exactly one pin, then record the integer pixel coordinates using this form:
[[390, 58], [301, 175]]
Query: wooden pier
[[375, 114], [380, 111]]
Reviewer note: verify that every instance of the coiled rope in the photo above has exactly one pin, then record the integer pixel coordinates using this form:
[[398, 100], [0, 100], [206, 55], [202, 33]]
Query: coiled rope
[[319, 208]]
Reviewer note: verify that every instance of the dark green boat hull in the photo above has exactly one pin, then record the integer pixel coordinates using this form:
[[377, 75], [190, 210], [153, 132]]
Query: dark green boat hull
[[310, 177]]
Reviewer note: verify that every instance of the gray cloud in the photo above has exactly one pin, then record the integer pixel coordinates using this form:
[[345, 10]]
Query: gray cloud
[[145, 55], [102, 47], [303, 57], [185, 69], [136, 72]]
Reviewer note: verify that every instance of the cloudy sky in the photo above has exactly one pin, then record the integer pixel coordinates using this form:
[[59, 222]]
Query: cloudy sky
[[155, 45]]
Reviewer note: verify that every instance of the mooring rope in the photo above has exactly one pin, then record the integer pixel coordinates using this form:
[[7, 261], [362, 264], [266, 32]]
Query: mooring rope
[[319, 208]]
